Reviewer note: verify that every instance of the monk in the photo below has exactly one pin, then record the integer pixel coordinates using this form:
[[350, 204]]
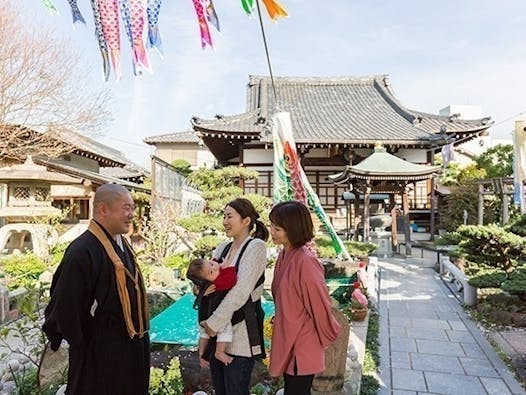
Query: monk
[[98, 304]]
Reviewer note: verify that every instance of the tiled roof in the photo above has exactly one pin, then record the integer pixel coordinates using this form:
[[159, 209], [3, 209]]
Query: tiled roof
[[124, 172], [337, 110], [178, 137], [97, 178], [107, 155], [381, 165]]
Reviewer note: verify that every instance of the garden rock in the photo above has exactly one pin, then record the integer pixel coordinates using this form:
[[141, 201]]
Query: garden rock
[[519, 363], [9, 388], [13, 365], [519, 319], [162, 277], [332, 378], [501, 317], [45, 278], [53, 365]]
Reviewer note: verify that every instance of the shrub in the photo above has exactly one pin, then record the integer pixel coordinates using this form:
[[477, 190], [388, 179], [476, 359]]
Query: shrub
[[518, 226], [169, 382], [179, 262], [206, 244], [491, 245], [57, 253], [182, 166], [325, 248], [22, 270], [359, 249], [201, 222], [516, 282], [487, 278]]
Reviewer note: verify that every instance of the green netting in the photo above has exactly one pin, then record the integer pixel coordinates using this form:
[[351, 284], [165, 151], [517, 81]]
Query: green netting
[[178, 323]]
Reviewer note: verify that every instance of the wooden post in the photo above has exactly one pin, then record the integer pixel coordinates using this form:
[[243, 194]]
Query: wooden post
[[366, 202], [407, 230], [505, 204], [480, 211], [356, 222], [433, 209], [394, 228]]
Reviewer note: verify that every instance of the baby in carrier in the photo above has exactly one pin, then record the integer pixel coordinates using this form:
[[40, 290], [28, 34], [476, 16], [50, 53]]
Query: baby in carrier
[[204, 273]]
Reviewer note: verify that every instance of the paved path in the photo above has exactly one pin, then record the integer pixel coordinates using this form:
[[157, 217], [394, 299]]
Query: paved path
[[428, 345]]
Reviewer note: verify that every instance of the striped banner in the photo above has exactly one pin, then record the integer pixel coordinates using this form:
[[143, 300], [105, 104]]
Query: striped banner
[[290, 181]]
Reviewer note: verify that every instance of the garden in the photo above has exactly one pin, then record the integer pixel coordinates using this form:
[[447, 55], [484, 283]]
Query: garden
[[164, 248]]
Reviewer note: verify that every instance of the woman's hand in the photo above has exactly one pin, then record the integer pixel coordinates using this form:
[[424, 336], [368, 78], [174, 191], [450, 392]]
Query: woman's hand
[[203, 362], [208, 330]]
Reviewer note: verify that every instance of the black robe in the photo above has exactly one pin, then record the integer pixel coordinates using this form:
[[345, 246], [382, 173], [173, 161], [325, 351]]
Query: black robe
[[103, 359]]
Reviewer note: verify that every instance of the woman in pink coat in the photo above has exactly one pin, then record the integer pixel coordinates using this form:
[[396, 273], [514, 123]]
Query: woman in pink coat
[[304, 325]]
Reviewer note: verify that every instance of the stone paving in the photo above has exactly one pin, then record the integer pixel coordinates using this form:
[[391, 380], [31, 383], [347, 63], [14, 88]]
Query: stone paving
[[428, 345]]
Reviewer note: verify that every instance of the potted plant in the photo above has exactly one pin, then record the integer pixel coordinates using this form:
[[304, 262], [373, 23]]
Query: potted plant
[[358, 303], [357, 312]]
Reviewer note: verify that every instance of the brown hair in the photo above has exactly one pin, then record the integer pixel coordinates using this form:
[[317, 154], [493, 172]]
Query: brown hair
[[195, 270], [294, 217], [245, 208]]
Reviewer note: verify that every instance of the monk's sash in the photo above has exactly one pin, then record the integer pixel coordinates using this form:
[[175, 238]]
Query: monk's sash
[[120, 275]]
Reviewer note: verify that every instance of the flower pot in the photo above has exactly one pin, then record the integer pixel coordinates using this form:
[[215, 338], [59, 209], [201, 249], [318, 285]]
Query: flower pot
[[358, 314]]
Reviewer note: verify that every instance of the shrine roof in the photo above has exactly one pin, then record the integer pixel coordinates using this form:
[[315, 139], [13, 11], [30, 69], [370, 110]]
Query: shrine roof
[[381, 165], [339, 110]]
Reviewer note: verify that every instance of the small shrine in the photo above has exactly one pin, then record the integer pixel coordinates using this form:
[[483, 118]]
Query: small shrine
[[383, 173]]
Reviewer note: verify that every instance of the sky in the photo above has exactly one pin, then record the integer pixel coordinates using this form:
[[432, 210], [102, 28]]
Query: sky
[[436, 53]]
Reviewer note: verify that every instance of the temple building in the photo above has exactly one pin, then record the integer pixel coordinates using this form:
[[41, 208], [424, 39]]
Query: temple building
[[337, 122], [182, 145], [39, 184]]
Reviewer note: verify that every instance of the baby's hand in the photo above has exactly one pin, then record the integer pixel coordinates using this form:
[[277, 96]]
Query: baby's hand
[[210, 289]]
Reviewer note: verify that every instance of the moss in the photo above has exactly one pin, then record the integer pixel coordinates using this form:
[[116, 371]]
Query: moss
[[369, 384]]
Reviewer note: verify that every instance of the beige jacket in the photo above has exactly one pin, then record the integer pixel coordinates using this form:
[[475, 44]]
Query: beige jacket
[[251, 266]]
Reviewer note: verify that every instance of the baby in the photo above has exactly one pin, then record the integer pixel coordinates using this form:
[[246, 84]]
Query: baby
[[205, 273]]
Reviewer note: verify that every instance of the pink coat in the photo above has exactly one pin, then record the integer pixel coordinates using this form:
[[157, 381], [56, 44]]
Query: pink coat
[[304, 325]]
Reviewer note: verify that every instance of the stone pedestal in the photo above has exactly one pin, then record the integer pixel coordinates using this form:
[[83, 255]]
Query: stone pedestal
[[4, 304], [383, 240], [332, 378]]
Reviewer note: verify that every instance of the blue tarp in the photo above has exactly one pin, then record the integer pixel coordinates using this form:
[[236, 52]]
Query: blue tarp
[[178, 323]]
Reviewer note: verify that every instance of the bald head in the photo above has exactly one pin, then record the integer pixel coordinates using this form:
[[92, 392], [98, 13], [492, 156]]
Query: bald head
[[108, 194], [113, 208]]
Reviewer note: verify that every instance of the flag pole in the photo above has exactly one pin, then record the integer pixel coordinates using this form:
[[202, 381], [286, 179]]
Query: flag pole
[[267, 54]]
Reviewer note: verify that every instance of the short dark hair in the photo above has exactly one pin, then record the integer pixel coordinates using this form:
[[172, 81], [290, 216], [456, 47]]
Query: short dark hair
[[195, 271], [294, 217]]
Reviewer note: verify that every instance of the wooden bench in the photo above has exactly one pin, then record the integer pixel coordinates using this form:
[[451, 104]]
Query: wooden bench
[[469, 292]]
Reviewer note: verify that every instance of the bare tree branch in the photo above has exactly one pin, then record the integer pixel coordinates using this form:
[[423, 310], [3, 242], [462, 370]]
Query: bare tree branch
[[42, 88]]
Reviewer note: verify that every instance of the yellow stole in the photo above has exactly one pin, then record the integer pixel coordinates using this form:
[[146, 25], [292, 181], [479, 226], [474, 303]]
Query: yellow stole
[[120, 275]]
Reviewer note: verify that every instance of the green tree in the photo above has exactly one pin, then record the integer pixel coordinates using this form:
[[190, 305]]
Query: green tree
[[455, 175], [220, 186], [182, 166], [497, 161]]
